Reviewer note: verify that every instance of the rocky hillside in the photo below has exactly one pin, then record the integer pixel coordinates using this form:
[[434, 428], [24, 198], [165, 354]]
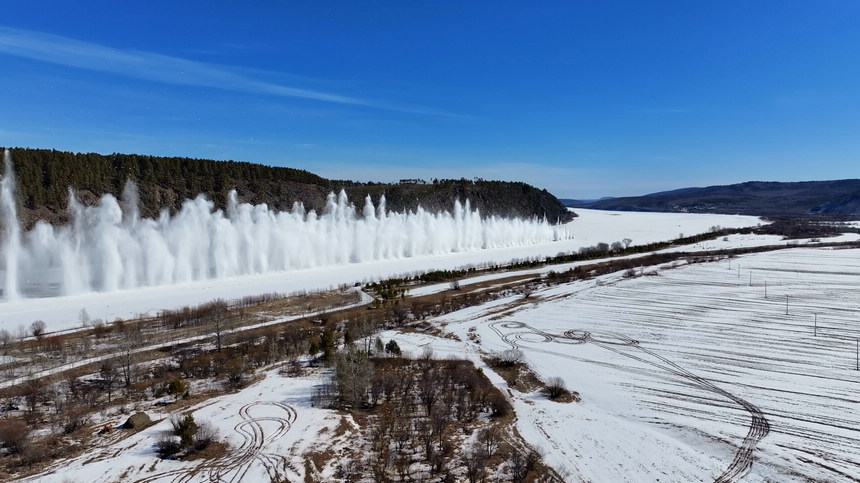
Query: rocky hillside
[[44, 177]]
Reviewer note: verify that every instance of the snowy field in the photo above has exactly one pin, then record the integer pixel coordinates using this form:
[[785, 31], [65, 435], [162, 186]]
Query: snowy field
[[268, 427], [699, 372], [590, 228], [692, 375]]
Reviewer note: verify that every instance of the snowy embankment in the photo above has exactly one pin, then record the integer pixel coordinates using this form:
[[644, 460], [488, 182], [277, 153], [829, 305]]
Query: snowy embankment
[[590, 228], [692, 374], [364, 299]]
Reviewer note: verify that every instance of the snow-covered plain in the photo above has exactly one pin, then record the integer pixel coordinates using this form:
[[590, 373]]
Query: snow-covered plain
[[692, 374], [590, 228]]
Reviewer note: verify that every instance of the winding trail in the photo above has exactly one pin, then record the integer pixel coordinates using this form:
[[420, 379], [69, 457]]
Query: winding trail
[[513, 333], [257, 435]]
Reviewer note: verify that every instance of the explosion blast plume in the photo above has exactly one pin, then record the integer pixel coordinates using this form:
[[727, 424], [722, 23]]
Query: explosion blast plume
[[110, 247]]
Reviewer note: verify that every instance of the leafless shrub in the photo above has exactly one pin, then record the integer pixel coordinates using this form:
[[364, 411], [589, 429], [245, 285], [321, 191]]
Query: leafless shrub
[[235, 369], [555, 388], [509, 357], [427, 353], [206, 434], [523, 462], [499, 405], [75, 419], [5, 338], [100, 329], [14, 435], [37, 451], [167, 445]]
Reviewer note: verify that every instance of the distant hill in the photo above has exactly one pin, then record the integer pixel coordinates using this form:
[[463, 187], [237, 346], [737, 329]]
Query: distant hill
[[763, 198], [44, 176], [570, 202]]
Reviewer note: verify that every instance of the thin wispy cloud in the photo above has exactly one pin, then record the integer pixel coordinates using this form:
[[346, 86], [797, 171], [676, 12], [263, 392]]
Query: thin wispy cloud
[[660, 110], [149, 66]]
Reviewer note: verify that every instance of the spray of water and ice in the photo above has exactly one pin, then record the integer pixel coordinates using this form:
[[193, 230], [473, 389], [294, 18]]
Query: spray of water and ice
[[110, 247], [11, 241]]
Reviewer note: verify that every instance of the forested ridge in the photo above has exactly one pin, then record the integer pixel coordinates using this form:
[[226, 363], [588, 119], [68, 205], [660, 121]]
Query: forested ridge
[[45, 175], [834, 198]]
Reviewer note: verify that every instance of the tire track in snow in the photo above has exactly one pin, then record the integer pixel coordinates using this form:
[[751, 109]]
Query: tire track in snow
[[235, 467], [622, 345]]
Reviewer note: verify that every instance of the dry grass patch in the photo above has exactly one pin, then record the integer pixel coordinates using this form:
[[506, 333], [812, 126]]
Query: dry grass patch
[[517, 374], [213, 451]]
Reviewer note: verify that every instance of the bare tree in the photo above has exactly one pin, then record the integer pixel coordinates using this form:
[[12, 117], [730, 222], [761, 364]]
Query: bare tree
[[131, 338], [489, 437], [37, 328], [401, 430], [474, 459], [523, 462], [109, 375], [425, 434], [220, 316], [84, 317], [398, 314], [626, 242], [354, 372], [429, 387], [32, 390], [5, 338], [440, 420], [235, 369]]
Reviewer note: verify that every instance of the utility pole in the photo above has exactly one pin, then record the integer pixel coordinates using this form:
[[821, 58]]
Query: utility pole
[[750, 278], [765, 289]]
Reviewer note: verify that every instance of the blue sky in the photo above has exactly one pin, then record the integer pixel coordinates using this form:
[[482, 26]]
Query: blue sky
[[583, 98]]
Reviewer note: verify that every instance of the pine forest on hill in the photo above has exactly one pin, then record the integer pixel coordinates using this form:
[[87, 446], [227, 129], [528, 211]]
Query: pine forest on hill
[[44, 177]]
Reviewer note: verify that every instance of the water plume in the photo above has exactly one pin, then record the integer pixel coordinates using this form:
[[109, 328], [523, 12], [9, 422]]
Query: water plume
[[11, 230], [109, 246]]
